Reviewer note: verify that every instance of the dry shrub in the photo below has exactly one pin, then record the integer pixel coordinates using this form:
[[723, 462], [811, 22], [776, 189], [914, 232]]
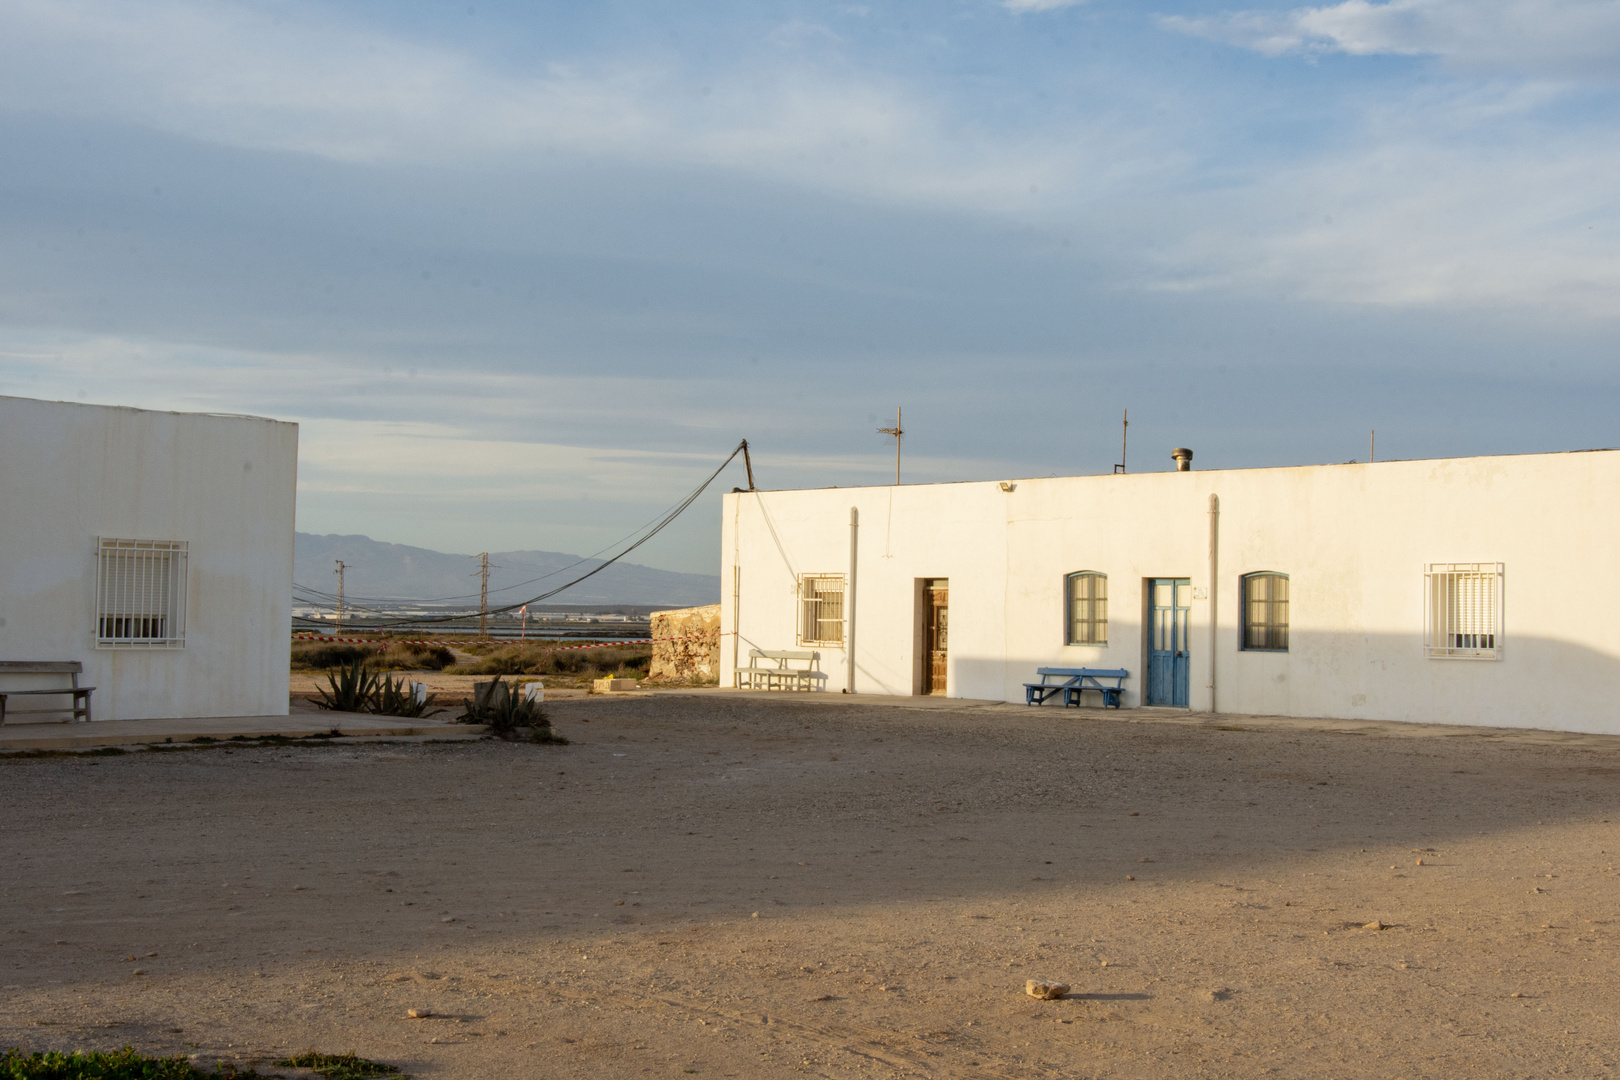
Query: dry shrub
[[415, 658], [631, 661], [325, 655]]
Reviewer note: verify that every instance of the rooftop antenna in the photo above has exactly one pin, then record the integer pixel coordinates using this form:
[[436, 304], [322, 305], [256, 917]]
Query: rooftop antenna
[[748, 464], [1372, 445], [1124, 433], [896, 431]]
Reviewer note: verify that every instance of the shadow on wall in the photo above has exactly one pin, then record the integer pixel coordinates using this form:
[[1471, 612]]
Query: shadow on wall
[[1537, 682]]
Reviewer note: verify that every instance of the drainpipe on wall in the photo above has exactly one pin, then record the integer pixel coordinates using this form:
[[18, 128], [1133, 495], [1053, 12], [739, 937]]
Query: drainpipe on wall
[[736, 584], [1214, 580], [849, 601]]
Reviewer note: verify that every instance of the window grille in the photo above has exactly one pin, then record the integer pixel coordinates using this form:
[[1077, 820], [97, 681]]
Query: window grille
[[1265, 612], [1464, 611], [1088, 608], [821, 609], [141, 594]]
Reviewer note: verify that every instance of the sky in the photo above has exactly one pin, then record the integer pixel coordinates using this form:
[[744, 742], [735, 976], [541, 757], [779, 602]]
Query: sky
[[525, 273]]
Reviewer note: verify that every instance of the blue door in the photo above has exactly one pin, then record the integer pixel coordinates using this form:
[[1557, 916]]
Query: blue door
[[1167, 679]]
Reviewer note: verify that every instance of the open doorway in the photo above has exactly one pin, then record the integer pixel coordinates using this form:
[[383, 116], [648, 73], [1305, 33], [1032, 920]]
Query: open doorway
[[934, 609]]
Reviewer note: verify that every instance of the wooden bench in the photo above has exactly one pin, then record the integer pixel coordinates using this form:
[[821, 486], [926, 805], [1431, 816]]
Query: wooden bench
[[778, 675], [71, 668], [1092, 679], [1038, 693], [1072, 682]]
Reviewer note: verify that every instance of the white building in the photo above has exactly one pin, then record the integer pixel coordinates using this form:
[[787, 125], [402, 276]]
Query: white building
[[156, 549], [1461, 591]]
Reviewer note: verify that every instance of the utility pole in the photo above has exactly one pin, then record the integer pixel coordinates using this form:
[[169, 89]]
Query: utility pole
[[339, 572], [1124, 435], [748, 464], [483, 595], [896, 431]]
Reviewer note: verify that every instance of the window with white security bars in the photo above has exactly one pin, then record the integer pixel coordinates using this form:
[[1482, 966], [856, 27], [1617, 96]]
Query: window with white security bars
[[1464, 611], [821, 609], [140, 594]]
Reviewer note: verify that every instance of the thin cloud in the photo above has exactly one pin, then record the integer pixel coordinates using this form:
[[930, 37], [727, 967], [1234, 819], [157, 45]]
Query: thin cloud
[[1559, 38], [1417, 215], [233, 75], [1039, 5], [421, 457]]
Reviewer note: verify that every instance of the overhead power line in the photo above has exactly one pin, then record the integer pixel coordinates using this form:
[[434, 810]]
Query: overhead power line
[[320, 598], [658, 526]]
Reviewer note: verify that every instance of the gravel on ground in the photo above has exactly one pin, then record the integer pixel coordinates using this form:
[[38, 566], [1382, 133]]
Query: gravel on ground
[[727, 886]]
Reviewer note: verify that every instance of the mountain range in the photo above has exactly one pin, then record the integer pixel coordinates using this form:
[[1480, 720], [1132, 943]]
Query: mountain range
[[374, 570]]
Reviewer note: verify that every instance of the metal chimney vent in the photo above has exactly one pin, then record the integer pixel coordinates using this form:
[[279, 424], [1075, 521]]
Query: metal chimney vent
[[1183, 459]]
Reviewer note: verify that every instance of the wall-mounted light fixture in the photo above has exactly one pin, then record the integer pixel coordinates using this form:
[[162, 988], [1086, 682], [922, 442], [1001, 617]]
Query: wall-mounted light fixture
[[1007, 485]]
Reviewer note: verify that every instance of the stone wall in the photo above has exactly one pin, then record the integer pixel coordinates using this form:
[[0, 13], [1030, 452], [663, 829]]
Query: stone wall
[[686, 645]]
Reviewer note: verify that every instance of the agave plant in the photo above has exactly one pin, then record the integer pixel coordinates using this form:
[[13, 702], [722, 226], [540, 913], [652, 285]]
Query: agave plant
[[353, 689], [395, 699], [507, 714]]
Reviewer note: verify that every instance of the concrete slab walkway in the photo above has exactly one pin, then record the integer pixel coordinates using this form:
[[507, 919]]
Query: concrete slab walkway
[[1392, 729]]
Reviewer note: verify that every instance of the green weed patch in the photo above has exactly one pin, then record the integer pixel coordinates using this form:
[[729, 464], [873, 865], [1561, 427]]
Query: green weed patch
[[125, 1064], [100, 751], [128, 1064], [340, 1066]]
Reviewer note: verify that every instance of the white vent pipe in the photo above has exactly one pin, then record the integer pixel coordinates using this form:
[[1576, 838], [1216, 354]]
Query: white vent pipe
[[1214, 581], [849, 601]]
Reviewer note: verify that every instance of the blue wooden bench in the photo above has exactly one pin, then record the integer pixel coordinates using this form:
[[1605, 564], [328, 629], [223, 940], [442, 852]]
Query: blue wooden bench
[[1113, 692], [1072, 682], [1038, 693]]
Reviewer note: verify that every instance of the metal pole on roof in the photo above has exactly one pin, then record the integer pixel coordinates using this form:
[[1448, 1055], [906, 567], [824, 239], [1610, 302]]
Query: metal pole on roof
[[896, 431]]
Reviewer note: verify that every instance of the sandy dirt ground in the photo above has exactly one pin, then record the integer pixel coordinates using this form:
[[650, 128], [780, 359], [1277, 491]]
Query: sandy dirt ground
[[728, 887]]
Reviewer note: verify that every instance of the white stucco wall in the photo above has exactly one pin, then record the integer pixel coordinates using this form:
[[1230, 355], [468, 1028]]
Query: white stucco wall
[[71, 473], [1354, 540]]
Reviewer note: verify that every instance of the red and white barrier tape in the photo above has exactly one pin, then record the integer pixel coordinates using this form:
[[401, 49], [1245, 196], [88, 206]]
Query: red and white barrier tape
[[385, 642]]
